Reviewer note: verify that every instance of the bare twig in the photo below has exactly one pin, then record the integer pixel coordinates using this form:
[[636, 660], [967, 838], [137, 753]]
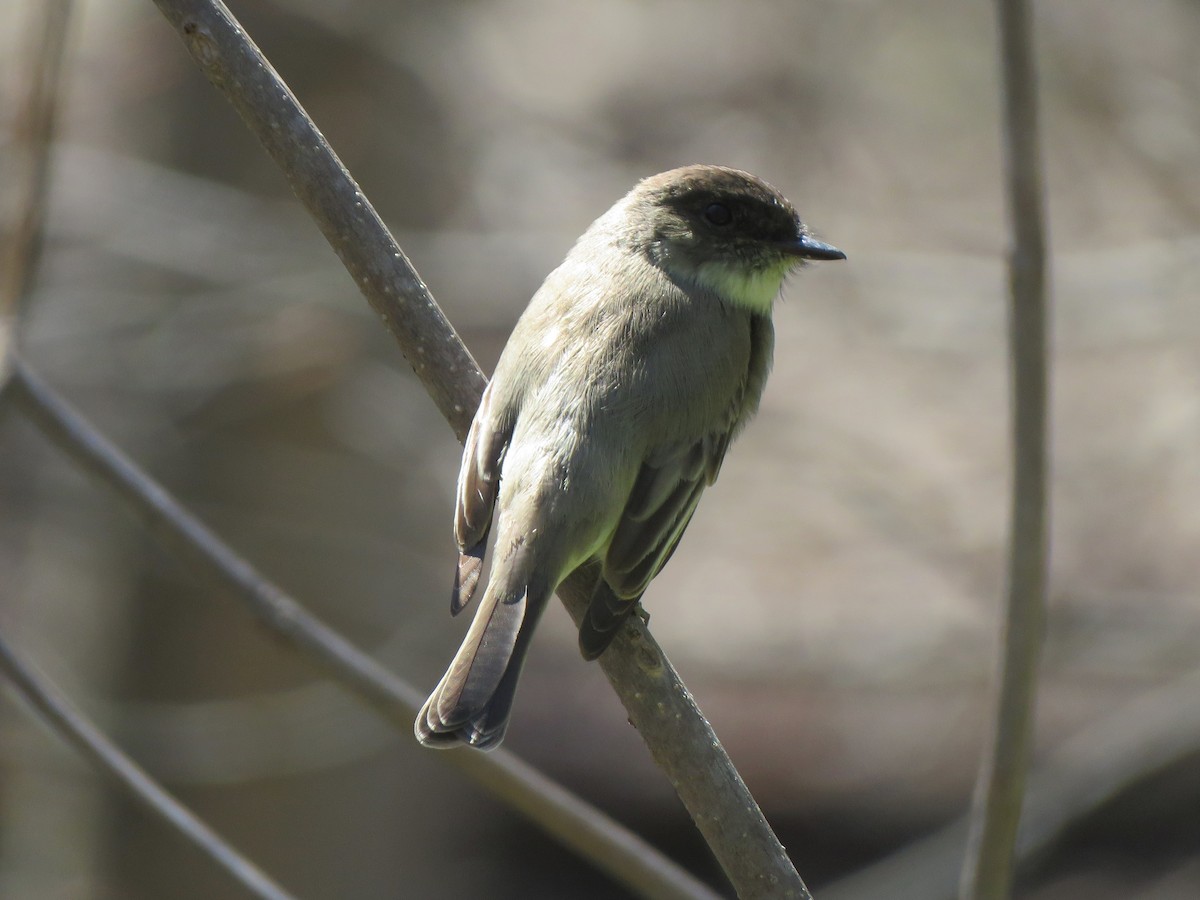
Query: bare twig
[[566, 818], [33, 133], [687, 749], [231, 61], [659, 706], [1090, 769], [987, 866], [79, 731]]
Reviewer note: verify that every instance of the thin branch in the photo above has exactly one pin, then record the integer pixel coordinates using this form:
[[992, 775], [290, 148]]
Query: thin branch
[[686, 748], [33, 134], [566, 818], [987, 866], [232, 62], [78, 730], [659, 706], [1089, 770]]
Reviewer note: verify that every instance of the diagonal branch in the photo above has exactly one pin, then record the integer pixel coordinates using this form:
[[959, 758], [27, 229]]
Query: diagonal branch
[[81, 733], [19, 259], [987, 868], [561, 814], [659, 706], [345, 216]]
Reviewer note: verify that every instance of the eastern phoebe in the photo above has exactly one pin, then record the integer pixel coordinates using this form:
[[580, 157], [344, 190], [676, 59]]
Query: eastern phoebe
[[613, 403]]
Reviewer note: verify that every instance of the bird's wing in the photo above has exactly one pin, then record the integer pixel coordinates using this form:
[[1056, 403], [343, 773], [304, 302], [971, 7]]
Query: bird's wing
[[478, 485], [671, 479], [661, 503]]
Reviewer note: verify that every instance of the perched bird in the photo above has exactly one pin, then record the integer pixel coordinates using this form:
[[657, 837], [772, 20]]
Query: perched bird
[[614, 401]]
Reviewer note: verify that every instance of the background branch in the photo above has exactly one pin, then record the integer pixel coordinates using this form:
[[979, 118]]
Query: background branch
[[1099, 763], [659, 706], [69, 723], [987, 867], [563, 816], [33, 133], [19, 259]]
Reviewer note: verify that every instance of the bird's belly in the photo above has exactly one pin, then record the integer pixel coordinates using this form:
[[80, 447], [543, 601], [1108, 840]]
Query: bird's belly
[[562, 490]]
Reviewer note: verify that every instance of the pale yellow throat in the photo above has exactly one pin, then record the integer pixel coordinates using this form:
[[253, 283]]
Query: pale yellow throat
[[755, 290]]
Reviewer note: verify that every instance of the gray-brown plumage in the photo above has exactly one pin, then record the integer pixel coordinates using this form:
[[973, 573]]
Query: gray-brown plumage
[[611, 409]]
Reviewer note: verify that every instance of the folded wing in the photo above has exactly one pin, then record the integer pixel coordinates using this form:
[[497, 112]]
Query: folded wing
[[478, 486]]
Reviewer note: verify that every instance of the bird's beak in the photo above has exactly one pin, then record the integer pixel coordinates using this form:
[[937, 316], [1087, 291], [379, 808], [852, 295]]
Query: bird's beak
[[807, 247]]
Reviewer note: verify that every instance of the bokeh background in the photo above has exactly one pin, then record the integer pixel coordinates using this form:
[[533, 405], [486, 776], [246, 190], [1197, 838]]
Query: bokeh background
[[834, 605]]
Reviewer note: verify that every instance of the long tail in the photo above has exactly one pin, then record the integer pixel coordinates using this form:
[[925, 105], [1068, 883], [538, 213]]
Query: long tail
[[472, 702]]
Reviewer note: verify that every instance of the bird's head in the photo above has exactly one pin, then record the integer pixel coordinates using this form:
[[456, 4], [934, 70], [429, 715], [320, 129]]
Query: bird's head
[[721, 230]]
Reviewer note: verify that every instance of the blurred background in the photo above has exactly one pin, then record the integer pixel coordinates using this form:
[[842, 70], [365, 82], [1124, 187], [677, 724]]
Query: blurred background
[[834, 605]]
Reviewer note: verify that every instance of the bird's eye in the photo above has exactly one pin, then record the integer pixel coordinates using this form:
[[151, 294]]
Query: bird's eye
[[718, 214]]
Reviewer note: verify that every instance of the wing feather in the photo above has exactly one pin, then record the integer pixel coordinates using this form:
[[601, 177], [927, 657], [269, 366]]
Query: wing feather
[[478, 487], [664, 497], [659, 509]]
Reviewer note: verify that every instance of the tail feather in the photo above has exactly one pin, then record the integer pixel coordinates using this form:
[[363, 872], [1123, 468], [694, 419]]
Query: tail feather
[[472, 702]]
